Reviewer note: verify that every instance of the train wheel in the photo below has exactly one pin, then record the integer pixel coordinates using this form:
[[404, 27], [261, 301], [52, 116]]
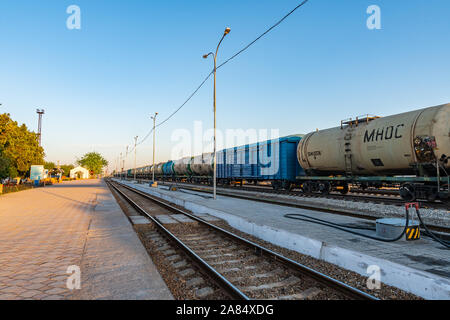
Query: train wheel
[[276, 185], [344, 189], [432, 194], [408, 192], [325, 188], [307, 187], [286, 185]]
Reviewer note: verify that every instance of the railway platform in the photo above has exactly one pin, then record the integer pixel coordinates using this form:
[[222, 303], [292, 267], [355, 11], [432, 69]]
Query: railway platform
[[420, 267], [72, 241]]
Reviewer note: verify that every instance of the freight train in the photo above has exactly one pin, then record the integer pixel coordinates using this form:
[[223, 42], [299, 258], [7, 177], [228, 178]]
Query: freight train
[[410, 151]]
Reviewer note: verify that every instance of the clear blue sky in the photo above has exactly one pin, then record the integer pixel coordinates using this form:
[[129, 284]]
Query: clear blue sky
[[100, 84]]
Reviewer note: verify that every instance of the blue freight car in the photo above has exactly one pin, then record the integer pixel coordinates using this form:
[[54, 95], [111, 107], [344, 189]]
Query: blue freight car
[[273, 161]]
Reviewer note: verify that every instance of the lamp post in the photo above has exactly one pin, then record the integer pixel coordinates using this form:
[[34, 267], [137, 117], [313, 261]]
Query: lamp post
[[125, 174], [120, 164], [40, 112], [135, 145], [227, 31], [154, 140]]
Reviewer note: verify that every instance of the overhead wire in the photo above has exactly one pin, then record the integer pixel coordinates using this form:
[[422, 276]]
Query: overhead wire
[[221, 65]]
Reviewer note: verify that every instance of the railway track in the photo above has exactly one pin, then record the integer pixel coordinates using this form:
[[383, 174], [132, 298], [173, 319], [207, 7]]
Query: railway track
[[444, 231], [387, 197], [241, 268]]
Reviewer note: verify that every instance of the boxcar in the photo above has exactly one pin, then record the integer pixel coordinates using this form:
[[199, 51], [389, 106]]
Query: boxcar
[[272, 161]]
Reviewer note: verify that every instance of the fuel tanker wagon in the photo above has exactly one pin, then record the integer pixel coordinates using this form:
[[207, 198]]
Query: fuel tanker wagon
[[411, 150]]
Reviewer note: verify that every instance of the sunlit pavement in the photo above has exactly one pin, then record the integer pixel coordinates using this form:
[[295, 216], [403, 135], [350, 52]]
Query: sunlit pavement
[[45, 231]]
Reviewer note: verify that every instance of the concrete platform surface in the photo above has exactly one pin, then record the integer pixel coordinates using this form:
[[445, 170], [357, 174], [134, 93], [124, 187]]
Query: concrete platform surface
[[421, 267], [48, 234]]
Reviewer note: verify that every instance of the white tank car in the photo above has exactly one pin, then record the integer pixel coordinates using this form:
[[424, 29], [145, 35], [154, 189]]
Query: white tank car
[[182, 167], [159, 169], [202, 165], [407, 143]]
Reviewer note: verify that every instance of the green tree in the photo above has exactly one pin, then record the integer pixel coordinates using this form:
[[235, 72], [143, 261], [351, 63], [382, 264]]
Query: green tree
[[19, 146], [93, 161], [66, 168], [49, 165], [5, 166]]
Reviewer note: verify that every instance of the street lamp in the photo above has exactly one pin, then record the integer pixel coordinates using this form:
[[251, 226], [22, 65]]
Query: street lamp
[[40, 112], [125, 174], [227, 31], [135, 145], [154, 184], [120, 164]]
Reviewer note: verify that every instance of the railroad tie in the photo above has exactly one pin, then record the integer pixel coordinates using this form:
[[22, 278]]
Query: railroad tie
[[305, 295], [269, 274], [180, 264], [217, 263], [284, 283], [204, 251], [183, 218], [214, 256], [169, 252], [164, 247], [165, 219], [195, 282], [198, 238], [204, 292], [187, 272]]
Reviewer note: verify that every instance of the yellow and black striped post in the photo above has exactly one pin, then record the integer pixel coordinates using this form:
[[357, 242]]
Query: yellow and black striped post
[[413, 232]]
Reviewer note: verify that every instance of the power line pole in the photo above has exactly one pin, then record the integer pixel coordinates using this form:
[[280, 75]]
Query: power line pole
[[135, 145], [40, 112], [124, 162], [120, 163], [154, 140]]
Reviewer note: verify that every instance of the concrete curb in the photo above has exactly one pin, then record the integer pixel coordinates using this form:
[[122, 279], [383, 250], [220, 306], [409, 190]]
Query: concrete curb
[[423, 284]]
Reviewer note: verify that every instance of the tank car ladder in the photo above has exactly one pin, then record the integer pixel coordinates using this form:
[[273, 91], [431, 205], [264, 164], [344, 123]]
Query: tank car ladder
[[348, 151]]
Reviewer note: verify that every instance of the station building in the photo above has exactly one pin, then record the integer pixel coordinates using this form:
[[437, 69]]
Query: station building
[[80, 173]]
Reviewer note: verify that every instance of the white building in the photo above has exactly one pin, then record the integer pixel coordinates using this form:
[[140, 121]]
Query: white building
[[79, 172]]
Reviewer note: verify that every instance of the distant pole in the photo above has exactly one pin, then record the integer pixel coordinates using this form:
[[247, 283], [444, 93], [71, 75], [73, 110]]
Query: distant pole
[[135, 145], [154, 141], [40, 112], [227, 31], [124, 162], [120, 163]]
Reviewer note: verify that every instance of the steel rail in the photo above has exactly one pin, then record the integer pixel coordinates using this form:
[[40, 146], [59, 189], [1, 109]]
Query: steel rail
[[384, 196], [286, 203], [339, 286]]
